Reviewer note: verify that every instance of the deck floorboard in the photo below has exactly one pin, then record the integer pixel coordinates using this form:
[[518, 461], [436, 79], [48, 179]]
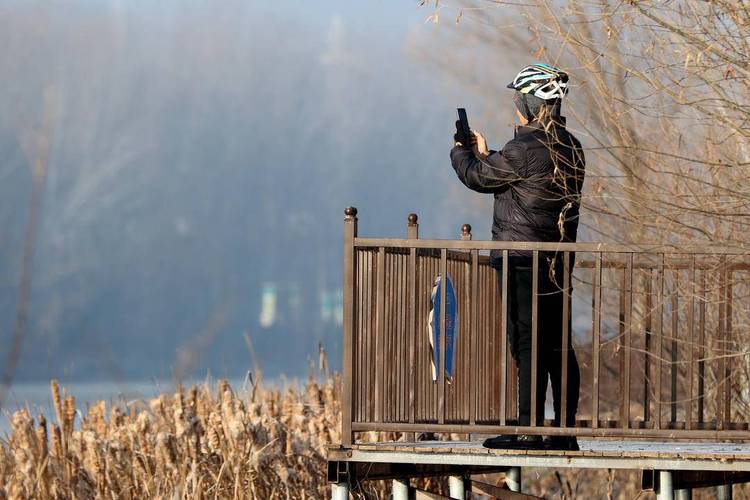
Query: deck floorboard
[[593, 454]]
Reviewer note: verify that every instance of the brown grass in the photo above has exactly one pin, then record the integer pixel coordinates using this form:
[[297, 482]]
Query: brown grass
[[195, 443], [202, 443]]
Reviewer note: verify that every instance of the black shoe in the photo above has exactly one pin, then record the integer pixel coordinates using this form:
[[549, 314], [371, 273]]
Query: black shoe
[[520, 442], [426, 436], [562, 443]]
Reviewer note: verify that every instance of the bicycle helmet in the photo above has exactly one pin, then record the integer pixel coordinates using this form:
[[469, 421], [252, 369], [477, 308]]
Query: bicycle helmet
[[541, 80]]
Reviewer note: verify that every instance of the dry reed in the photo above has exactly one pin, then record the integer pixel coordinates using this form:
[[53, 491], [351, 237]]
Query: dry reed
[[196, 443], [204, 444]]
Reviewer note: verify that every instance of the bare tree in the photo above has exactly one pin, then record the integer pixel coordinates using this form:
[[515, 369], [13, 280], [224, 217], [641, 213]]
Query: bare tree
[[660, 98], [36, 142], [658, 93]]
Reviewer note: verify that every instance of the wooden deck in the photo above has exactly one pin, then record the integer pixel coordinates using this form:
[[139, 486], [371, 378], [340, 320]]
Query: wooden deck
[[593, 454], [661, 361]]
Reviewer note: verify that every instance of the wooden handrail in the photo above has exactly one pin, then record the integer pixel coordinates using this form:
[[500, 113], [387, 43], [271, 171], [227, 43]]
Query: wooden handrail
[[550, 247], [388, 384]]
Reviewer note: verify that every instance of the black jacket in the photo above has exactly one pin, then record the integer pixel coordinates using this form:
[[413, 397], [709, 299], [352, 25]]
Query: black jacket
[[536, 180]]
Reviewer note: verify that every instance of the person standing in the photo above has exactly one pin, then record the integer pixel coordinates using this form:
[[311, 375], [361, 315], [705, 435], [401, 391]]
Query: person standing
[[536, 180]]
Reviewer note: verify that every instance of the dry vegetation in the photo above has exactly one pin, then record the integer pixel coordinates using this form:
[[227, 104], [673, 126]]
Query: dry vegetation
[[205, 443], [195, 443]]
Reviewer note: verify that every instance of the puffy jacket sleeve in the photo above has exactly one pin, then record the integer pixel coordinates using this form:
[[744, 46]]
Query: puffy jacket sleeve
[[493, 174]]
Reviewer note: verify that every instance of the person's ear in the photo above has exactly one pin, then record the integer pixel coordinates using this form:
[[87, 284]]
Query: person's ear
[[521, 118]]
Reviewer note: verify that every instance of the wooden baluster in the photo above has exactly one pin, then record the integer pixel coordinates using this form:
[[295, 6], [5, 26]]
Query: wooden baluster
[[534, 334], [691, 347], [596, 305], [648, 333], [441, 347], [702, 348], [720, 343], [728, 348], [350, 233], [674, 332], [379, 333], [626, 313], [504, 375], [660, 334], [565, 341]]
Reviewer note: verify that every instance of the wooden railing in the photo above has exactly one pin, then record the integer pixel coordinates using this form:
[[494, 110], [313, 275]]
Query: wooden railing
[[660, 333]]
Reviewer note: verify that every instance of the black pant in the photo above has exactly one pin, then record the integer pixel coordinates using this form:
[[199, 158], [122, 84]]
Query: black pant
[[549, 339]]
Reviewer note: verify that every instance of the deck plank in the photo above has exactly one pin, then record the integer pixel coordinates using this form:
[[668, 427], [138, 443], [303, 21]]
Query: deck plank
[[591, 446], [593, 454]]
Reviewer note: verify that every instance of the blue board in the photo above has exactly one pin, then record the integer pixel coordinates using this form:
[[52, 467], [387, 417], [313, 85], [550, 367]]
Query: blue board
[[451, 328]]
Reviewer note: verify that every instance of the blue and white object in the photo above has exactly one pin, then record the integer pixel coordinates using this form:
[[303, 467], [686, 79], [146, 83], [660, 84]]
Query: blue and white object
[[268, 302], [451, 328]]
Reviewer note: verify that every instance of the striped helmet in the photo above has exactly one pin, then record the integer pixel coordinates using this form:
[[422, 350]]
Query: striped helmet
[[541, 80]]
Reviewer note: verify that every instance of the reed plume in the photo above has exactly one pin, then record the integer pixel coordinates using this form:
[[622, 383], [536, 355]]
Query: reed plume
[[201, 443], [195, 443]]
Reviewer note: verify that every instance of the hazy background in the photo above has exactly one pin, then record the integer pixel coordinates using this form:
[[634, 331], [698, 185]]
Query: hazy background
[[201, 157]]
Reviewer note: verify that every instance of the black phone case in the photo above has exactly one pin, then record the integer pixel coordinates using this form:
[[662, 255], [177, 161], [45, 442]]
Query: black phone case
[[462, 118]]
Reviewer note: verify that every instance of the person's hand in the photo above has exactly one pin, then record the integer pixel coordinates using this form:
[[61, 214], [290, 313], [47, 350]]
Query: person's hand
[[479, 143], [459, 139]]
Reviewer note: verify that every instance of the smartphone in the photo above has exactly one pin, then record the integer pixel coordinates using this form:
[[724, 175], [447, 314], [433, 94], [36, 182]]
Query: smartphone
[[464, 122]]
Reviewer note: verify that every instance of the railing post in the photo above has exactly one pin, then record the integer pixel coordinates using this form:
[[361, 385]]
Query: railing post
[[350, 232], [474, 331], [412, 227], [412, 233], [466, 402]]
